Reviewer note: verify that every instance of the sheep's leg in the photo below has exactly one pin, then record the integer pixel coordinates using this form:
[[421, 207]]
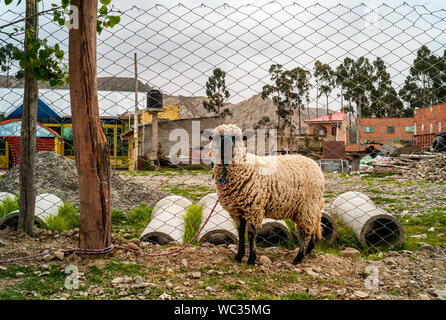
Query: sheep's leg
[[252, 234], [311, 245], [241, 240], [305, 241]]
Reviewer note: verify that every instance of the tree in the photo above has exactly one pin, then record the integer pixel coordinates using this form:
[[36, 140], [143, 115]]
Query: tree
[[6, 59], [42, 62], [289, 92], [383, 97], [217, 94], [325, 78], [426, 83]]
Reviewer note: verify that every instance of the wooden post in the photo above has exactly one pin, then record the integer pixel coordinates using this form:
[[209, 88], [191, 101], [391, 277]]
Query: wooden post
[[28, 132], [90, 144], [135, 119]]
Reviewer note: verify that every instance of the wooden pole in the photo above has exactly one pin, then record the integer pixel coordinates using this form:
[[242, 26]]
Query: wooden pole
[[28, 132], [135, 119], [90, 144]]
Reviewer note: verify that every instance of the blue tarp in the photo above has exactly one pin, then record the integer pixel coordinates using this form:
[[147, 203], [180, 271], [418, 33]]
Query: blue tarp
[[44, 114]]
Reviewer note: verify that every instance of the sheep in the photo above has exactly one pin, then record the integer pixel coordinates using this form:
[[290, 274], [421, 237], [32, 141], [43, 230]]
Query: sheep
[[258, 187]]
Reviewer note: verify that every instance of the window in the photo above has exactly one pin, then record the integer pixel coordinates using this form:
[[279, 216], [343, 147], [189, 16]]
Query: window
[[390, 129], [320, 130], [369, 129], [68, 147], [410, 129]]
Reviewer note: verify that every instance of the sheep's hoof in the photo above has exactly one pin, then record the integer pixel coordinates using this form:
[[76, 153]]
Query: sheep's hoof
[[297, 260], [237, 259], [251, 261]]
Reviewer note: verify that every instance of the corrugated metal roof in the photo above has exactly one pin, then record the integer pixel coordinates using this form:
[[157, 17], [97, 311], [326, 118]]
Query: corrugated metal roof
[[111, 103]]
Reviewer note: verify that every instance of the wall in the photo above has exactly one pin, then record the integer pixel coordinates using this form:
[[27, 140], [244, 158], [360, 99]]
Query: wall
[[428, 122], [380, 125], [166, 127]]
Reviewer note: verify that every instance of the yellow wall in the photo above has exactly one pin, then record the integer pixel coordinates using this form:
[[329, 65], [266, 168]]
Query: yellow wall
[[171, 112]]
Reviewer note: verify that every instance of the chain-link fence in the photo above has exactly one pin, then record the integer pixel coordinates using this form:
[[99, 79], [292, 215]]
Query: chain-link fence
[[347, 86]]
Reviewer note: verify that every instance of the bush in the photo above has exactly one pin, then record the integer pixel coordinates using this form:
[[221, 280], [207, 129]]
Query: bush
[[67, 218], [192, 219], [118, 217], [8, 205]]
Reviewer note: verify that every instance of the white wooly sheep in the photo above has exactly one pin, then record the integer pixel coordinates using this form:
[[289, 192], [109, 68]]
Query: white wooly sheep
[[259, 187]]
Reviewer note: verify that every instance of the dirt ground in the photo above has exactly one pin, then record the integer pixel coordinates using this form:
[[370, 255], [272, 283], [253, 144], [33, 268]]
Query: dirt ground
[[207, 271]]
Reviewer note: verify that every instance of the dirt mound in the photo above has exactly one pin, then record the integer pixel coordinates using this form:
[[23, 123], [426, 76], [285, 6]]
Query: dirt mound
[[57, 175], [433, 169]]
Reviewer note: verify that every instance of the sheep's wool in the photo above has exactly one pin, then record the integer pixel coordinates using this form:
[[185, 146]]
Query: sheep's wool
[[278, 187]]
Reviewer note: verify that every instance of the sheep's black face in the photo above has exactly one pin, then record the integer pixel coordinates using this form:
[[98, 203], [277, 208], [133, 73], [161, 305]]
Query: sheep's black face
[[227, 144]]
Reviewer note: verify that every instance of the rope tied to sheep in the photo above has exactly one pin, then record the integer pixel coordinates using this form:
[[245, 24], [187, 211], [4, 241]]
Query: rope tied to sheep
[[112, 247]]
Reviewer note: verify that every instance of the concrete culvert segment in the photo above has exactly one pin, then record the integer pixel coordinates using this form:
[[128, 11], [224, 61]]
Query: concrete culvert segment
[[47, 205], [273, 232], [329, 228], [167, 222], [373, 226], [4, 195], [220, 228], [11, 220]]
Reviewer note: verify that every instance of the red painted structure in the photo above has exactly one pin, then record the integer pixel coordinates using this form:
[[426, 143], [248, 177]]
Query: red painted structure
[[428, 122]]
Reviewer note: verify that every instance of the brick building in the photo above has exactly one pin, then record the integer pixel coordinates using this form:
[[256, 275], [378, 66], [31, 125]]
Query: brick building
[[333, 127], [427, 122], [384, 130]]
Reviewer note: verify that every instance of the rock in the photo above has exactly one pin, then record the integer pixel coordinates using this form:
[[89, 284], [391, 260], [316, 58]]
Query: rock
[[3, 268], [196, 275], [19, 274], [242, 282], [265, 260], [311, 273], [419, 236], [426, 247], [165, 296], [439, 294], [48, 258], [45, 267], [59, 255], [117, 281], [3, 244], [350, 253], [169, 285], [211, 271], [313, 292], [207, 245], [127, 279], [361, 294], [138, 280], [209, 289], [184, 263], [135, 241], [133, 246]]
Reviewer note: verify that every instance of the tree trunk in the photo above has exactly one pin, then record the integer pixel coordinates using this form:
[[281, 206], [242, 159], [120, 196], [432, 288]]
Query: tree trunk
[[90, 144], [327, 105], [317, 100], [28, 133]]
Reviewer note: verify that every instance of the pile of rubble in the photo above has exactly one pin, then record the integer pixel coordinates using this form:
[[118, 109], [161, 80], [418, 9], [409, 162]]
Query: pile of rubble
[[57, 175], [432, 168]]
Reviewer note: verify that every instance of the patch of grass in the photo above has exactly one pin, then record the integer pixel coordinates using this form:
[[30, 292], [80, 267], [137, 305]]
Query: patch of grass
[[376, 191], [118, 217], [298, 296], [8, 205], [67, 218], [346, 237], [139, 217], [395, 292], [380, 200], [195, 193], [192, 219]]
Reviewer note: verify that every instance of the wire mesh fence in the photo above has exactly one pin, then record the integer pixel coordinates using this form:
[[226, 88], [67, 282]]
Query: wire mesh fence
[[334, 84]]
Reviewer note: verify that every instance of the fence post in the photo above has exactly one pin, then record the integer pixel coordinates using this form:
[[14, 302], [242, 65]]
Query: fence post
[[90, 144]]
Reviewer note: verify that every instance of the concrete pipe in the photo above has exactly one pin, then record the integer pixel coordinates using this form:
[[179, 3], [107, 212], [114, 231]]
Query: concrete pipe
[[273, 232], [329, 228], [167, 222], [47, 205], [373, 226], [11, 220], [220, 228]]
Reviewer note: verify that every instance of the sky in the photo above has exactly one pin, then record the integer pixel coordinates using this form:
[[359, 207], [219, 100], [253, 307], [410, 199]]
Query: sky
[[178, 46]]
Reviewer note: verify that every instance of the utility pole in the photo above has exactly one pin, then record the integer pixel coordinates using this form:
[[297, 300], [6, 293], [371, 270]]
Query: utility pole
[[135, 119]]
